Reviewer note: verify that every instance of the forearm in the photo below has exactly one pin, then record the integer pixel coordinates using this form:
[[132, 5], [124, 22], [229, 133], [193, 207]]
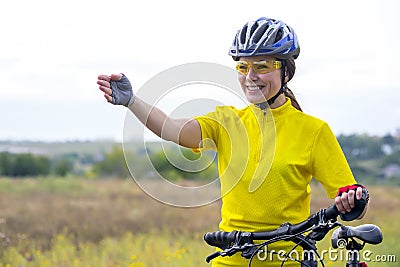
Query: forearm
[[157, 121]]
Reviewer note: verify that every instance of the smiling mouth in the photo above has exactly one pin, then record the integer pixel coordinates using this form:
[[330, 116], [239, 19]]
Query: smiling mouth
[[254, 88]]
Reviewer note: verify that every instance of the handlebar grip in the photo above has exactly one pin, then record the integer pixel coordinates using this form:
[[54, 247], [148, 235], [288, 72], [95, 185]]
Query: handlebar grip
[[359, 205], [331, 212], [220, 239]]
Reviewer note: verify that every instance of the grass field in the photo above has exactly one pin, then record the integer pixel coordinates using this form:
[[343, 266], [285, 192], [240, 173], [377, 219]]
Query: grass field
[[72, 222]]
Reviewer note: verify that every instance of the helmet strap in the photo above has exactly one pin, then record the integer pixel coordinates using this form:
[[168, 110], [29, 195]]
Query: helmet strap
[[272, 99], [281, 91]]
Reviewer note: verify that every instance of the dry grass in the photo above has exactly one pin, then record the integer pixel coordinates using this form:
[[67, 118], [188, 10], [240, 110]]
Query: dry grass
[[90, 219], [92, 210]]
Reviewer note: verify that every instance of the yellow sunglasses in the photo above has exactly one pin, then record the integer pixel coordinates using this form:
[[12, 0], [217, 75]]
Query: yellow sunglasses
[[259, 67]]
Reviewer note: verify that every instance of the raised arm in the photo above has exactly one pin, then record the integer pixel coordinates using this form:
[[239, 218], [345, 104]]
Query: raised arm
[[183, 131]]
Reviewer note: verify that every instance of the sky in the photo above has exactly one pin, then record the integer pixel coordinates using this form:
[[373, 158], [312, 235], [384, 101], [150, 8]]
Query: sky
[[51, 53]]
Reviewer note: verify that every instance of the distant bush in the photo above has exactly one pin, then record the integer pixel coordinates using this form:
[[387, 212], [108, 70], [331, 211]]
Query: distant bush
[[63, 167], [20, 165], [113, 164], [181, 164], [393, 158], [361, 147]]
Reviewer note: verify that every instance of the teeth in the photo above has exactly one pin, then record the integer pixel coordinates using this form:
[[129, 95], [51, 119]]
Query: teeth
[[253, 88]]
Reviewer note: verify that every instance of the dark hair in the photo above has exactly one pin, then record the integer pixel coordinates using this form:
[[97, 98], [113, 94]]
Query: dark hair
[[290, 70]]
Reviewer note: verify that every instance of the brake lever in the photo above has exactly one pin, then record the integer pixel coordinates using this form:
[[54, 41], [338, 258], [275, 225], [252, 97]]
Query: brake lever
[[232, 250], [249, 250], [213, 256], [319, 231], [245, 249], [226, 252]]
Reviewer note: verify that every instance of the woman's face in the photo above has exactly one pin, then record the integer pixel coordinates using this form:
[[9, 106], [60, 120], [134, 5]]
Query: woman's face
[[259, 88]]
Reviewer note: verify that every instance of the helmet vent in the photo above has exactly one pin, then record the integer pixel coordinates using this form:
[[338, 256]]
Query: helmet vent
[[243, 34], [260, 32], [279, 35]]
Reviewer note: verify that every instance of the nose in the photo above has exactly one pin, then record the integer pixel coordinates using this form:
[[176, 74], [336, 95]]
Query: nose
[[252, 75]]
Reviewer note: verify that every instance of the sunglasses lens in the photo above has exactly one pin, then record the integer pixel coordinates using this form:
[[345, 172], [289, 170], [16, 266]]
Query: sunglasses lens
[[242, 67], [260, 67]]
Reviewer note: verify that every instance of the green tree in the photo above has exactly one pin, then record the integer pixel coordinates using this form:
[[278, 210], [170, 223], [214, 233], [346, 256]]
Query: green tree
[[361, 147], [393, 158], [176, 164], [113, 164], [63, 167], [6, 164], [388, 139], [29, 165]]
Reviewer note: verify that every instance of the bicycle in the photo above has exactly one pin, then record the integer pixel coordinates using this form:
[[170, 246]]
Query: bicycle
[[304, 234]]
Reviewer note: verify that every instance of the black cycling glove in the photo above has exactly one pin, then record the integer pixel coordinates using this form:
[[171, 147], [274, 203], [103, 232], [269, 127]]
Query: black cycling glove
[[122, 93]]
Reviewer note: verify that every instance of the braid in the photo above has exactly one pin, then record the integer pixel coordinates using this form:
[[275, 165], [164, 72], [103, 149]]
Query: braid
[[290, 94], [291, 69]]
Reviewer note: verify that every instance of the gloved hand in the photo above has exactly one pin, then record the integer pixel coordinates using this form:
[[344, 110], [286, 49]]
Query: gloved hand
[[117, 89], [346, 201], [122, 93]]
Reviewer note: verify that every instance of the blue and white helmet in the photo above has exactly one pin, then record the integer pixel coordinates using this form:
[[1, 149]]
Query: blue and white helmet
[[265, 36]]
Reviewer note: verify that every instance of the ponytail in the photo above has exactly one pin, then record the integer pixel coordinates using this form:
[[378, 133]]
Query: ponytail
[[290, 70], [289, 93]]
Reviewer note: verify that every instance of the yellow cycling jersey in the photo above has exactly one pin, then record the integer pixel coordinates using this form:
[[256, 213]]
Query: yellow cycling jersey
[[266, 160]]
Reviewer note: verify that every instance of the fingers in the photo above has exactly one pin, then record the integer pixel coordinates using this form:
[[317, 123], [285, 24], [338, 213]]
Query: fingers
[[345, 202], [104, 77], [350, 198], [359, 193], [104, 84], [339, 204], [116, 77], [108, 97], [359, 196]]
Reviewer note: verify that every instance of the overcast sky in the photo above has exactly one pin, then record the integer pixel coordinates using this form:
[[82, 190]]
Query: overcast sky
[[52, 52]]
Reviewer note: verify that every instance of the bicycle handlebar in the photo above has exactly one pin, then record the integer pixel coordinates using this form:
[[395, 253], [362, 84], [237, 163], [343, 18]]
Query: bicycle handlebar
[[224, 240]]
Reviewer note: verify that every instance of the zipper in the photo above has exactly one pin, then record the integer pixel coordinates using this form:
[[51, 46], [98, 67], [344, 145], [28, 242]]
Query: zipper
[[261, 141], [262, 132], [257, 179]]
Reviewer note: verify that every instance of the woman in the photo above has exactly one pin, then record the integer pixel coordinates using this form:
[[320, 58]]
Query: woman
[[277, 148]]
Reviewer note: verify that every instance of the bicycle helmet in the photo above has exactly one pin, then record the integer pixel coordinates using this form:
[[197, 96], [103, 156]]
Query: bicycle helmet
[[265, 36]]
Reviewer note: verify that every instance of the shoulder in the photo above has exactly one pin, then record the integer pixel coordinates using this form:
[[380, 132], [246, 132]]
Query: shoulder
[[224, 112], [302, 118], [312, 120], [319, 128], [229, 109], [308, 125]]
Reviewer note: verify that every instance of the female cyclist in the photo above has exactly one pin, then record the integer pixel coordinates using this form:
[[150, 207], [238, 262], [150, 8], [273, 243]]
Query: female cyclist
[[268, 151]]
